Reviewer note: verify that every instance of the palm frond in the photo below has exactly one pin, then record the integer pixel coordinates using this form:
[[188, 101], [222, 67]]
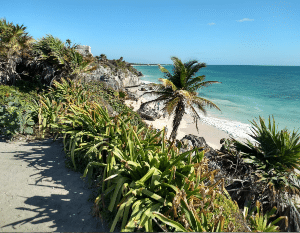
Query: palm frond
[[200, 106], [161, 98], [196, 80], [194, 69], [180, 70], [158, 93], [168, 84], [190, 64], [163, 69], [171, 105], [178, 63], [197, 86], [202, 101]]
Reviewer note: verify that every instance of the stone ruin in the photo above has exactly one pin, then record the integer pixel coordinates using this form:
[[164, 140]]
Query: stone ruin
[[84, 50]]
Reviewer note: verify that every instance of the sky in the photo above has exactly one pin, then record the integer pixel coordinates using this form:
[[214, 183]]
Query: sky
[[217, 32]]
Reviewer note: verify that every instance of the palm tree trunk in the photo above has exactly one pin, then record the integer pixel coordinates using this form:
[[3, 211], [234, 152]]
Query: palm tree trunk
[[179, 112]]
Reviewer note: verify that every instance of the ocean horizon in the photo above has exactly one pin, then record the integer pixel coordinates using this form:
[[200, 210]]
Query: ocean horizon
[[245, 93]]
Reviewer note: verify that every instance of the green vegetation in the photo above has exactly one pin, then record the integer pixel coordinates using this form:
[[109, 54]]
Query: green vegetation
[[143, 178], [260, 222], [14, 43], [276, 155], [67, 60], [45, 60], [17, 116], [179, 91], [18, 113], [137, 166], [144, 182]]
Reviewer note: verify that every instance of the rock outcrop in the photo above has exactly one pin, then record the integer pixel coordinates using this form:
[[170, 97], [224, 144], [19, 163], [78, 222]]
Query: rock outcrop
[[117, 79], [190, 142], [149, 113]]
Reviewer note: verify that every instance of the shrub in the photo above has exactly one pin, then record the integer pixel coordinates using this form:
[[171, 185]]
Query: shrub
[[276, 155], [17, 116], [260, 222]]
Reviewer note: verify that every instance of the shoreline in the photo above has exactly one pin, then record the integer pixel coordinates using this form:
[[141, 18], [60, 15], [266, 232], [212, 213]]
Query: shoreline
[[210, 133]]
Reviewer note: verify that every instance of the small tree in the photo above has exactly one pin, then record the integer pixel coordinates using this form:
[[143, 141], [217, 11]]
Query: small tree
[[103, 57], [14, 40], [178, 91]]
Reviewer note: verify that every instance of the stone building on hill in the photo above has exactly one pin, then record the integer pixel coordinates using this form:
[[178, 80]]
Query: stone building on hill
[[84, 50]]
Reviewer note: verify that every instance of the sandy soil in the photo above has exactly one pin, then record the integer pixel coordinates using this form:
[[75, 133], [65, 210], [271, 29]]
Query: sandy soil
[[38, 193]]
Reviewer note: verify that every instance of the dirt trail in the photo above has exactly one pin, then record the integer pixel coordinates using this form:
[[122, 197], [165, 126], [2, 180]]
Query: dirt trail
[[38, 193]]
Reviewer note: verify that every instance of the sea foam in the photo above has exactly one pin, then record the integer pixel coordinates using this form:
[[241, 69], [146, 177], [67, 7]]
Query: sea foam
[[234, 128]]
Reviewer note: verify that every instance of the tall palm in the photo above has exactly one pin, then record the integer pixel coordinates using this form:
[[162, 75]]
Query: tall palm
[[178, 92]]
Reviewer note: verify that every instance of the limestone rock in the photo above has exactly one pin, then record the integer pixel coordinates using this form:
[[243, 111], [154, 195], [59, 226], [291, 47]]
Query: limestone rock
[[149, 113], [118, 80], [190, 142]]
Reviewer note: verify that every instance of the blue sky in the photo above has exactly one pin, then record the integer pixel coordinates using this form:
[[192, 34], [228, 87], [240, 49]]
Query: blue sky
[[217, 32]]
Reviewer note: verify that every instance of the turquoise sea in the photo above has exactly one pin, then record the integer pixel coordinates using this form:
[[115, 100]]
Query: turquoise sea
[[245, 93]]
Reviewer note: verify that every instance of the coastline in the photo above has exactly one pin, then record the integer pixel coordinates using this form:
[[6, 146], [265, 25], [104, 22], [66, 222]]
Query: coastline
[[210, 133]]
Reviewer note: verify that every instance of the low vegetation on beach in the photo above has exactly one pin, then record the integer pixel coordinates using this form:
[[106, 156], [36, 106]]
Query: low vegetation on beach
[[142, 180]]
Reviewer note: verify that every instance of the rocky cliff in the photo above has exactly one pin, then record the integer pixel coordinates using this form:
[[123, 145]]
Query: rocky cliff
[[118, 79]]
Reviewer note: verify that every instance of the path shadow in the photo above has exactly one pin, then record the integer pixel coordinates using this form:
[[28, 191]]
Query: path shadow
[[68, 208]]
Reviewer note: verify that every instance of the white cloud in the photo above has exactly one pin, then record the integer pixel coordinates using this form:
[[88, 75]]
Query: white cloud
[[245, 19], [210, 24]]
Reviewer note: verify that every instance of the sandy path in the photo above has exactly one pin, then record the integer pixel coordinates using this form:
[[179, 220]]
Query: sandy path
[[38, 193]]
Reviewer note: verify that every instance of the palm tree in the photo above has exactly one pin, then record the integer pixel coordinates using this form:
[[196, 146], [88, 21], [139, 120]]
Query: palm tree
[[103, 57], [178, 92], [68, 42], [13, 42], [66, 61]]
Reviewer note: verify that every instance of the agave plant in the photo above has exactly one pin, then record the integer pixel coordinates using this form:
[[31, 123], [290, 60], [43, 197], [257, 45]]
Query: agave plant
[[193, 220], [144, 175], [261, 222], [208, 210], [49, 112], [141, 172], [272, 180], [134, 168], [276, 155]]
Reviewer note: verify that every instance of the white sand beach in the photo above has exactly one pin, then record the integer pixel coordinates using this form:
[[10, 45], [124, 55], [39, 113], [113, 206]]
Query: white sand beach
[[187, 126]]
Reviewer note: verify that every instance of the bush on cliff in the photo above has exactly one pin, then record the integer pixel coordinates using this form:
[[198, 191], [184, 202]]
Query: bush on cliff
[[14, 45], [18, 113], [66, 61], [276, 155]]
